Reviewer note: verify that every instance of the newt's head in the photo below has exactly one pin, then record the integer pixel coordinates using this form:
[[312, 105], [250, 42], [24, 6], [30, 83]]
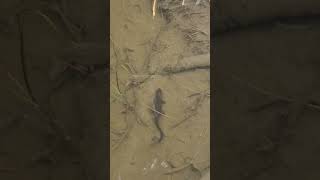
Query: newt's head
[[159, 96]]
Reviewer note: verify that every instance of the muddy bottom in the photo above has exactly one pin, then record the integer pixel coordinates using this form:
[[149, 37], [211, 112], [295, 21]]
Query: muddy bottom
[[267, 101], [167, 53], [53, 95]]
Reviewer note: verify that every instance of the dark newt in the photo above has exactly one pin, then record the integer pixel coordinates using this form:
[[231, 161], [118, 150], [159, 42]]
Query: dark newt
[[158, 102]]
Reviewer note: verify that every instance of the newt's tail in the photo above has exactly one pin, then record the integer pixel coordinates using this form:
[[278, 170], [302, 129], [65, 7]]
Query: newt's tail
[[161, 133]]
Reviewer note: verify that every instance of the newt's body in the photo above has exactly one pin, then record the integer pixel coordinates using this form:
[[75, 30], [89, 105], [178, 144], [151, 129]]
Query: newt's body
[[158, 103]]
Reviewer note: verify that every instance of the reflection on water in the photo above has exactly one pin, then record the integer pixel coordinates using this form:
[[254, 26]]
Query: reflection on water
[[169, 52]]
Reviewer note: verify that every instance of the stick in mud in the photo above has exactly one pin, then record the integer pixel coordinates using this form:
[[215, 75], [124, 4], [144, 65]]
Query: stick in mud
[[189, 64]]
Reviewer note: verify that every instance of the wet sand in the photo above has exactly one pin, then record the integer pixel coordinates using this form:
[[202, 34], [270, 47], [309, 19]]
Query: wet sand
[[163, 52]]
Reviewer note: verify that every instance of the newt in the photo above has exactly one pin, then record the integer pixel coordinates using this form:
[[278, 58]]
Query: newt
[[158, 111]]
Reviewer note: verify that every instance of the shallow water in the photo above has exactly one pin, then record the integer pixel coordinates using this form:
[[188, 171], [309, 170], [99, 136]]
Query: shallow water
[[142, 48]]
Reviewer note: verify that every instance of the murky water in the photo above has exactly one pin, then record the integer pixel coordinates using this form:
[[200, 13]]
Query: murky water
[[169, 51]]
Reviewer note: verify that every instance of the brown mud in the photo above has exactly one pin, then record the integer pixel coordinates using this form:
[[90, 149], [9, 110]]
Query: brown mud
[[266, 90], [169, 51], [53, 84]]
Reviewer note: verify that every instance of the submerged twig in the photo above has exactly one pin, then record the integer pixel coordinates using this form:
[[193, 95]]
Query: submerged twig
[[22, 58], [154, 8], [192, 110], [137, 117], [178, 169], [147, 61], [189, 64], [125, 134], [177, 70], [50, 22]]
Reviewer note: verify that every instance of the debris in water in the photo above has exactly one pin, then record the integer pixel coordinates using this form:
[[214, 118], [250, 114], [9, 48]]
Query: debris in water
[[164, 164], [154, 8]]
